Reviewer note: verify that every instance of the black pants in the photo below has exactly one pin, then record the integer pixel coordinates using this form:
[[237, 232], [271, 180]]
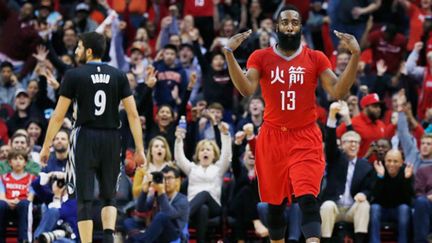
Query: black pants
[[243, 207], [203, 207]]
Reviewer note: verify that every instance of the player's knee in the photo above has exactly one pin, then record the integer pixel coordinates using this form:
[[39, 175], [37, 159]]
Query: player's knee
[[276, 221], [108, 202], [84, 210], [311, 219]]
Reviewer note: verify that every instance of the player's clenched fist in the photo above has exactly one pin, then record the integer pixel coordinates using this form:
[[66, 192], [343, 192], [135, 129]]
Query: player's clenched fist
[[235, 41], [350, 41]]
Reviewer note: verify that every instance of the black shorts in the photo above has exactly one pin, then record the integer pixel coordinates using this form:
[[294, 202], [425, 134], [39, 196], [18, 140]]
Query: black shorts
[[94, 152]]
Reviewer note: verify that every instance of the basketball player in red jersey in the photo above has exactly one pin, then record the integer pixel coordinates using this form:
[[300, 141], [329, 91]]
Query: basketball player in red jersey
[[289, 154]]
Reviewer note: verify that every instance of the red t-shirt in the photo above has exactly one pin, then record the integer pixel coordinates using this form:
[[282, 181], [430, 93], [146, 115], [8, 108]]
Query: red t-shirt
[[417, 17], [391, 52], [288, 84], [199, 8], [425, 96], [17, 188]]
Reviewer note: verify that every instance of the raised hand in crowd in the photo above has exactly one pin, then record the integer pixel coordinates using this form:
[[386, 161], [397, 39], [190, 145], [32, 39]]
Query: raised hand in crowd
[[51, 80], [151, 76], [344, 112], [381, 67], [249, 130], [401, 100], [418, 46], [334, 109], [353, 105], [224, 128], [192, 80], [180, 133], [409, 170], [379, 168], [41, 53], [239, 137]]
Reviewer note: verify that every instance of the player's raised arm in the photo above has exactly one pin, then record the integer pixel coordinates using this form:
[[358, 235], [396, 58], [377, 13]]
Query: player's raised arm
[[338, 87], [245, 84]]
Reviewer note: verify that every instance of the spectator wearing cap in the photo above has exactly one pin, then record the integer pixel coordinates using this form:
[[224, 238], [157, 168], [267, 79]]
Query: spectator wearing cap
[[9, 83], [82, 20], [367, 123], [172, 79], [21, 115]]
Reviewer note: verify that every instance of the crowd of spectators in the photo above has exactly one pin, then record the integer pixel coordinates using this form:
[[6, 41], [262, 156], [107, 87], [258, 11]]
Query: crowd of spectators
[[378, 140]]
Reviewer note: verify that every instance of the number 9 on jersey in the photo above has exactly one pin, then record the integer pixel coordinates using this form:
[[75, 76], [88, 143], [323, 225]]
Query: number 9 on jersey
[[100, 102]]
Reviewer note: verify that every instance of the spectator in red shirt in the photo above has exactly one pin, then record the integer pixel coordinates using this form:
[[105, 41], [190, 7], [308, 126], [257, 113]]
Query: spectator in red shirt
[[387, 44], [417, 16], [367, 123]]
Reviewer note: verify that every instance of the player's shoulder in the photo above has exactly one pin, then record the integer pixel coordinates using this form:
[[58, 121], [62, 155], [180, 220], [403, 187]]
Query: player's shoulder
[[263, 51]]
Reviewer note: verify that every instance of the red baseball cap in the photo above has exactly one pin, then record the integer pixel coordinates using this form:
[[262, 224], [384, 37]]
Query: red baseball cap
[[369, 99]]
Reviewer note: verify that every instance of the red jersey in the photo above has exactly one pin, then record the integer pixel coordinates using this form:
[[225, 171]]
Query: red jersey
[[390, 51], [288, 84], [425, 97], [199, 8], [17, 188]]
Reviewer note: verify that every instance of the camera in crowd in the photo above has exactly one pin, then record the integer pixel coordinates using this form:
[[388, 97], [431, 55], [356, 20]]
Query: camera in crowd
[[64, 231], [50, 178], [157, 177], [60, 181]]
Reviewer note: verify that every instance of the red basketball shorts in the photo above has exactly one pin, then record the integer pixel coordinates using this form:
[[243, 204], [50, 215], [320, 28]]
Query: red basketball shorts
[[288, 161]]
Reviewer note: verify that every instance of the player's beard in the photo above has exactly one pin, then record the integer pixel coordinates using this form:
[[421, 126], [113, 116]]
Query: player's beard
[[289, 42]]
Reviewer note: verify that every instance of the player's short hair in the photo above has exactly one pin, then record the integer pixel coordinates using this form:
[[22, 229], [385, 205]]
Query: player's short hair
[[171, 47], [172, 169], [16, 153], [288, 7], [94, 41], [203, 142], [66, 131], [350, 134]]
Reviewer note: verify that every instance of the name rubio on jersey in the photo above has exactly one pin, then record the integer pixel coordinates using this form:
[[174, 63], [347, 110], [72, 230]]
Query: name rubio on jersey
[[100, 78]]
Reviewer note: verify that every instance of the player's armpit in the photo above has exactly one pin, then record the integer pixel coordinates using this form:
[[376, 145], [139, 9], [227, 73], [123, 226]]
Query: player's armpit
[[329, 81]]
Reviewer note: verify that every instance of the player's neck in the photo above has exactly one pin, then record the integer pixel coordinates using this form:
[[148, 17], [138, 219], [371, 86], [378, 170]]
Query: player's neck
[[286, 52], [94, 60]]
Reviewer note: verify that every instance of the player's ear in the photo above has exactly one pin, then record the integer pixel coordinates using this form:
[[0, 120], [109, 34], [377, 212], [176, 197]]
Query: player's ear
[[88, 52]]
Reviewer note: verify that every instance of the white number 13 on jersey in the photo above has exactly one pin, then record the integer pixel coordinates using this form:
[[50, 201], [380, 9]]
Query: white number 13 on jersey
[[288, 100], [100, 102]]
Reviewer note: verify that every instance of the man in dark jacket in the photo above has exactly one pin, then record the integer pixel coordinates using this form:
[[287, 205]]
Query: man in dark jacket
[[392, 195], [173, 214], [346, 194]]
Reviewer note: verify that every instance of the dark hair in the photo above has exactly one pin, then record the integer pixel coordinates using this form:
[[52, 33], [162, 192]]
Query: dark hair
[[6, 64], [94, 41], [15, 153], [215, 53], [42, 126], [65, 131], [171, 46], [288, 7], [18, 134], [174, 170]]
